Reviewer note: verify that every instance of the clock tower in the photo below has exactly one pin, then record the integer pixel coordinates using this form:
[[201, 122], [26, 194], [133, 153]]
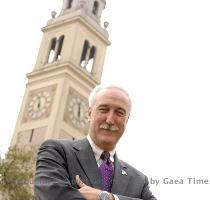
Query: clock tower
[[69, 64]]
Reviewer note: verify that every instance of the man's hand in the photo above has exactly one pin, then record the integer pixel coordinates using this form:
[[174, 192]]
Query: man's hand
[[87, 192]]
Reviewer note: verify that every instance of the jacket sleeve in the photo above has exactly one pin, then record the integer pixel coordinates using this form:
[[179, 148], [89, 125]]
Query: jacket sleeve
[[52, 181], [145, 195]]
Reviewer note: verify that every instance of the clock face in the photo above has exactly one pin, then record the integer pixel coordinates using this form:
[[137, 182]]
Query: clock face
[[39, 104], [77, 111]]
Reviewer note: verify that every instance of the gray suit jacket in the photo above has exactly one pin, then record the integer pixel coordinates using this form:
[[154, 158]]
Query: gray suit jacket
[[59, 161]]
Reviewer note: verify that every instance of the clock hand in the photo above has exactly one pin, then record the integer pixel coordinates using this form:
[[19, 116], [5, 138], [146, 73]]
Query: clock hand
[[39, 103], [79, 110]]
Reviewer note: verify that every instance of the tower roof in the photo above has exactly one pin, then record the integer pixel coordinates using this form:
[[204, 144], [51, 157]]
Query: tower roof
[[89, 10]]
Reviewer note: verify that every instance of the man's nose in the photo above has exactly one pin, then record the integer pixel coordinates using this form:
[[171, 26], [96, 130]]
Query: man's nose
[[110, 117]]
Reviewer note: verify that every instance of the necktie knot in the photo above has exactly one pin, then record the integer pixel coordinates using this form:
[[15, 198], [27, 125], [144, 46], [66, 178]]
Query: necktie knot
[[105, 156]]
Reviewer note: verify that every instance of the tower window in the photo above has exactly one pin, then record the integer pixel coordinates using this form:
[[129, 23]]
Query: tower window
[[69, 4], [60, 45], [92, 52], [52, 50], [88, 56], [84, 60], [55, 49], [91, 59], [95, 8]]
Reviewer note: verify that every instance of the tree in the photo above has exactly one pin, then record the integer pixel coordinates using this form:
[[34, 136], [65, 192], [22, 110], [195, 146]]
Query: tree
[[16, 174]]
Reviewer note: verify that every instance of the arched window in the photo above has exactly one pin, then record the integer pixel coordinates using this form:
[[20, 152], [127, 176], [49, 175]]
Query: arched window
[[60, 45], [92, 52], [91, 59], [83, 60], [55, 49], [51, 50], [69, 4], [95, 8], [88, 56]]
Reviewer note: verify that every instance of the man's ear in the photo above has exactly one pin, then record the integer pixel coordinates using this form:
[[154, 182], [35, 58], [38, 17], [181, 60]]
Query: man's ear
[[89, 113], [128, 118]]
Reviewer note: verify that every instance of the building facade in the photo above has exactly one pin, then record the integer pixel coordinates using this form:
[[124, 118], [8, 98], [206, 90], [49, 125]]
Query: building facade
[[69, 64]]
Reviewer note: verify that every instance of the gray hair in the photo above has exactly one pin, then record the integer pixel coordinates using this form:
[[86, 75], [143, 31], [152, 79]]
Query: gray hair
[[98, 88]]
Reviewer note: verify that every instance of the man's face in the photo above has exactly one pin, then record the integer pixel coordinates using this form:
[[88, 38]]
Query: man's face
[[108, 117]]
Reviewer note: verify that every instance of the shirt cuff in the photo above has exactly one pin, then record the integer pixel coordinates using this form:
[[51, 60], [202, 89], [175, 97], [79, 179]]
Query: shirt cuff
[[116, 197]]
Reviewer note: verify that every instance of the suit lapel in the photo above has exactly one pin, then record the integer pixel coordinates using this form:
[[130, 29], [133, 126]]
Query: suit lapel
[[121, 177], [87, 160]]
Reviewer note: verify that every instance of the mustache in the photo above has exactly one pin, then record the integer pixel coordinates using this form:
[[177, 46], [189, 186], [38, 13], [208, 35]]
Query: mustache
[[108, 127]]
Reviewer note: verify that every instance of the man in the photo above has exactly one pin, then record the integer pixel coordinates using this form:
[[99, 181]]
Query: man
[[89, 168]]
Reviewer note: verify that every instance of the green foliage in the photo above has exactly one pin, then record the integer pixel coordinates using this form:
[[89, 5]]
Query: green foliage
[[16, 174]]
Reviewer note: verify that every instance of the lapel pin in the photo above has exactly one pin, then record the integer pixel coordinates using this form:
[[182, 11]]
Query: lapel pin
[[124, 173]]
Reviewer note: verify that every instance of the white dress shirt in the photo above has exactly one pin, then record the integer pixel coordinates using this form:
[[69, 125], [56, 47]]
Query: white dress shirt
[[97, 153]]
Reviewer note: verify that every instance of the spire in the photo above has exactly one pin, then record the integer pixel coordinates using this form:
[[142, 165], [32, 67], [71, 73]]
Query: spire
[[89, 10], [92, 8]]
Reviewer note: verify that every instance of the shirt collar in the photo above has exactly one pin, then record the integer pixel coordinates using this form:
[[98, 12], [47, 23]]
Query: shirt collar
[[98, 151]]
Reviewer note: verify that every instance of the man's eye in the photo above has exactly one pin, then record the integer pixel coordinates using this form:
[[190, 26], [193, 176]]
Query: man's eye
[[103, 110], [120, 113]]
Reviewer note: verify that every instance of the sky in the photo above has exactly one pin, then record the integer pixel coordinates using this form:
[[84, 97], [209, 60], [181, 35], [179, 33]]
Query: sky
[[160, 54]]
